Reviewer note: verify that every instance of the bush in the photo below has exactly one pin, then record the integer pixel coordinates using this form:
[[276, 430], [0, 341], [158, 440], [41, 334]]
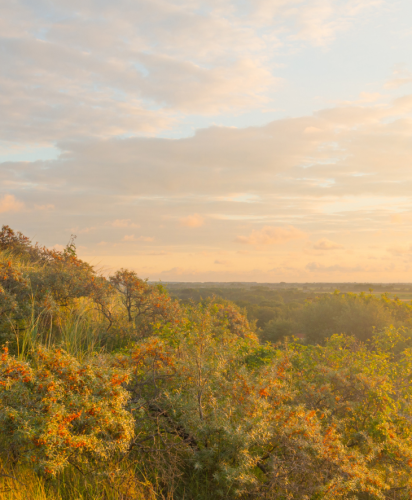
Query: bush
[[360, 391], [55, 411], [306, 422]]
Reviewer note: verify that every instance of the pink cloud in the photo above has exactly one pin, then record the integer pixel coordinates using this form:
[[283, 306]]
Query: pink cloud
[[9, 203], [195, 220]]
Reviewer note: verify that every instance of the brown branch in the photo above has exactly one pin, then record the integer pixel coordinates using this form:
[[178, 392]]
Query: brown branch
[[177, 429]]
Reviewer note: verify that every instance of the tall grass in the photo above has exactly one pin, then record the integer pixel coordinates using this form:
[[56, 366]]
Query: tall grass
[[24, 484], [80, 330], [19, 485]]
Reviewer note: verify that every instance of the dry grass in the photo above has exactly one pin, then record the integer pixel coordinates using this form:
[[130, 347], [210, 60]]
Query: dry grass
[[25, 484]]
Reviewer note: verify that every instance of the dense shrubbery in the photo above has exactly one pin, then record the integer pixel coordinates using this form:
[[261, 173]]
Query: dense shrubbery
[[110, 389], [56, 411]]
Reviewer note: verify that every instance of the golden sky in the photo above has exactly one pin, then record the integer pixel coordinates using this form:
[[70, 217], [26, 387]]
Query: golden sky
[[221, 140]]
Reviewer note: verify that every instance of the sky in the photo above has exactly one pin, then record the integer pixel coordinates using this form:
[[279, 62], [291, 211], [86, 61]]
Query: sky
[[212, 140]]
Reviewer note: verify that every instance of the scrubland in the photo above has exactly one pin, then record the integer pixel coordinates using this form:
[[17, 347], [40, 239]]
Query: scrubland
[[110, 389]]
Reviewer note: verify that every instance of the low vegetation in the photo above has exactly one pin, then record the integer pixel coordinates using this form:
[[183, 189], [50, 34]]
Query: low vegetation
[[111, 389]]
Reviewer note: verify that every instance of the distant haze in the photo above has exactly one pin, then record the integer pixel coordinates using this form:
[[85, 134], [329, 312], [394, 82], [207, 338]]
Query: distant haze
[[219, 140]]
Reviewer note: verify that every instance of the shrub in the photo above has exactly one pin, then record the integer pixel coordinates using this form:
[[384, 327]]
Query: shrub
[[14, 299], [250, 421], [55, 411], [362, 390]]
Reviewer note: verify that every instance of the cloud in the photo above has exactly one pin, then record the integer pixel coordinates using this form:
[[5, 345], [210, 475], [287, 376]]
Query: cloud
[[123, 223], [270, 235], [101, 79], [132, 237], [344, 180], [360, 142], [48, 206], [399, 250], [334, 268], [317, 22], [325, 244], [401, 76], [129, 237], [222, 262], [9, 203], [194, 220], [142, 64], [85, 230], [364, 98], [340, 172], [398, 82], [396, 219]]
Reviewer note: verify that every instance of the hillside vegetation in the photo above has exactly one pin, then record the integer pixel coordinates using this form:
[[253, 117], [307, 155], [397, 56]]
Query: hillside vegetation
[[110, 389]]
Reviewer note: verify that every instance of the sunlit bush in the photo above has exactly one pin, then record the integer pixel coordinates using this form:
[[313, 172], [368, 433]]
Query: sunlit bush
[[55, 411]]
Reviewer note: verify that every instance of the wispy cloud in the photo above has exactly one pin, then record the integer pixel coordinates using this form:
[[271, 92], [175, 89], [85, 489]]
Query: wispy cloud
[[123, 223], [102, 79], [132, 237], [221, 262], [194, 220], [399, 250], [47, 206], [335, 268], [325, 244], [269, 235], [401, 76]]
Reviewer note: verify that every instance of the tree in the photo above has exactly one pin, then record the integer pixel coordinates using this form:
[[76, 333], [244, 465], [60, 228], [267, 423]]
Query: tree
[[144, 304]]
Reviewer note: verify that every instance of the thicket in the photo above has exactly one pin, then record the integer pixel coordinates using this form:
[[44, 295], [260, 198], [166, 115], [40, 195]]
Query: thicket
[[109, 389]]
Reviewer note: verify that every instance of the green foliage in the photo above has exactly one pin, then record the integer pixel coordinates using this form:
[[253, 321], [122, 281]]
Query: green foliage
[[115, 390], [14, 297], [362, 390], [305, 422], [37, 282]]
